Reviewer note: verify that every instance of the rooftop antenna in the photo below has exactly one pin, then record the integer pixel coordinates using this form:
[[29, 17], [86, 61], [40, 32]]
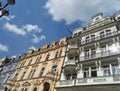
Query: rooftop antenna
[[68, 30]]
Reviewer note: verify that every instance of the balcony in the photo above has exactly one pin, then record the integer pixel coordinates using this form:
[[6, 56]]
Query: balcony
[[98, 80], [50, 75], [64, 83], [70, 66], [104, 36], [72, 50], [99, 55], [102, 80]]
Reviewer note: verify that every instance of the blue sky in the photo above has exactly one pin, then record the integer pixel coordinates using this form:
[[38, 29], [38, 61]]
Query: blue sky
[[32, 23]]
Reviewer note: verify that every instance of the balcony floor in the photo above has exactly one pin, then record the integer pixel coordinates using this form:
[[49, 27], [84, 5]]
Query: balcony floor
[[111, 87]]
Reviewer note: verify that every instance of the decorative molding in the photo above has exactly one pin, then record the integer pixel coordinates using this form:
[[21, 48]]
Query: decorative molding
[[26, 84], [36, 82], [17, 85]]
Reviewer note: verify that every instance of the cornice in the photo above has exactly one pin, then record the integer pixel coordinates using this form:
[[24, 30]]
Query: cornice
[[44, 51]]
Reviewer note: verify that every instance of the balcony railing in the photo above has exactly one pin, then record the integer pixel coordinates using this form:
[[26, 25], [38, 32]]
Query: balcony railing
[[74, 47], [70, 62], [90, 81], [100, 37], [63, 83], [50, 75], [98, 80], [99, 55]]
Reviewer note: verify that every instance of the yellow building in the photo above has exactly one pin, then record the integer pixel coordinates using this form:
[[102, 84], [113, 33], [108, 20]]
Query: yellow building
[[39, 69]]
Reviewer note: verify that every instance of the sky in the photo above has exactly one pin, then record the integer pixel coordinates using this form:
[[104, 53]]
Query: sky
[[33, 23]]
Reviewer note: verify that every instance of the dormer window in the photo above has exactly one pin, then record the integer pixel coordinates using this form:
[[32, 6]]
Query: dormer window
[[47, 57]]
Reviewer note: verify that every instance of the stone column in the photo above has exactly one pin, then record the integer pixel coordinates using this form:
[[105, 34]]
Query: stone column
[[114, 40], [111, 72], [62, 76], [100, 72], [118, 61], [89, 71]]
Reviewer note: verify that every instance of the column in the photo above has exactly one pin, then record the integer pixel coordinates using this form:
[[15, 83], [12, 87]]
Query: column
[[100, 71], [110, 66], [62, 76], [114, 40], [118, 40], [118, 61], [89, 71]]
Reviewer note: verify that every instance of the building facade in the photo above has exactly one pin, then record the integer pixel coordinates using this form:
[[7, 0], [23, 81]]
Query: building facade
[[92, 61], [39, 69], [9, 67]]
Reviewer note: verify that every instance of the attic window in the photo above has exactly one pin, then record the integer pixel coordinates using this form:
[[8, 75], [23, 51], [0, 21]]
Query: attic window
[[97, 18], [75, 34], [119, 18]]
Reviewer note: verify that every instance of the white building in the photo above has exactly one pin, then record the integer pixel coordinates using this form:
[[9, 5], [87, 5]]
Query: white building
[[92, 61]]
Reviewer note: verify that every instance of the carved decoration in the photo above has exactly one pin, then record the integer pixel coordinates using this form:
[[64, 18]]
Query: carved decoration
[[36, 82], [17, 85], [26, 84]]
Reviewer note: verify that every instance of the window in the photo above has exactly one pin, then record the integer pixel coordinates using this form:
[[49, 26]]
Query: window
[[86, 72], [30, 61], [108, 33], [41, 72], [93, 52], [74, 76], [87, 39], [56, 54], [92, 37], [116, 70], [47, 57], [103, 49], [71, 76], [22, 75], [15, 75], [60, 53], [54, 69], [32, 72], [106, 70], [25, 89], [93, 72], [102, 35], [86, 54], [35, 89], [23, 63], [68, 76], [46, 86], [22, 89], [37, 60]]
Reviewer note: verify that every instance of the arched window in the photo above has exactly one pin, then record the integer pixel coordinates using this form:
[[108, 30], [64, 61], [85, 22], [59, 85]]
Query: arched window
[[35, 89], [56, 55], [25, 89], [22, 89], [6, 89], [9, 90], [46, 86], [47, 57]]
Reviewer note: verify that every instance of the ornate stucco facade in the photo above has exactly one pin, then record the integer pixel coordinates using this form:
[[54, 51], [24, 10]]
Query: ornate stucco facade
[[39, 69], [92, 61]]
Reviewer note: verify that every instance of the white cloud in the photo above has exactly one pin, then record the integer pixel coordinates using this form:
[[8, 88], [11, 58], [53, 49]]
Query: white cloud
[[3, 48], [30, 27], [13, 28], [9, 17], [72, 10], [42, 37], [23, 30], [37, 39]]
